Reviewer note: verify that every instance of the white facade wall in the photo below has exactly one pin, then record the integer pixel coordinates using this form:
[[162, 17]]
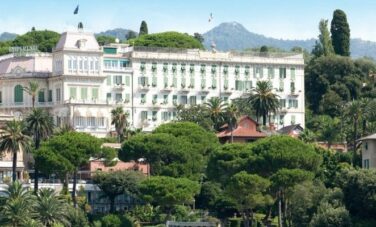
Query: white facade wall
[[369, 153], [86, 84]]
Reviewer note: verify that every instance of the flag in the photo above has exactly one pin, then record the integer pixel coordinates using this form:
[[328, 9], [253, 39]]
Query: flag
[[76, 10]]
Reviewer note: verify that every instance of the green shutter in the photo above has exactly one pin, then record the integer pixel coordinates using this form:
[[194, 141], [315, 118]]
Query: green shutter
[[127, 80], [84, 93], [18, 93], [109, 80], [94, 93], [73, 92]]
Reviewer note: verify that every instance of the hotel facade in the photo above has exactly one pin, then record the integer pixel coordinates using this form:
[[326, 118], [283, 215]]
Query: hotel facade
[[81, 82]]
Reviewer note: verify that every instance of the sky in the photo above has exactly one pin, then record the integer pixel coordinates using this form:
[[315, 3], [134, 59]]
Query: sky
[[286, 19]]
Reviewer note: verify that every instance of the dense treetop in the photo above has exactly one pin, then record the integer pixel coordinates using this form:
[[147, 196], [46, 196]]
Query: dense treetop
[[167, 39]]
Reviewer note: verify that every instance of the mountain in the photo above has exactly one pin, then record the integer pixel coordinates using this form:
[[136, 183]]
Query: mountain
[[234, 36], [119, 33], [6, 36]]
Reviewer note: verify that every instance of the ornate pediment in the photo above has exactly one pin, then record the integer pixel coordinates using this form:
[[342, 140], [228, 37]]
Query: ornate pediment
[[18, 70]]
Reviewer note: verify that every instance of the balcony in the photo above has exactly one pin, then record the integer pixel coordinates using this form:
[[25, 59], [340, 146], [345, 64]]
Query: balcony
[[184, 89], [227, 90], [118, 87], [293, 93], [144, 87]]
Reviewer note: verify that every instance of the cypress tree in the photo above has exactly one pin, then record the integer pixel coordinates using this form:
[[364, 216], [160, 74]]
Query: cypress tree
[[324, 37], [143, 28], [340, 33]]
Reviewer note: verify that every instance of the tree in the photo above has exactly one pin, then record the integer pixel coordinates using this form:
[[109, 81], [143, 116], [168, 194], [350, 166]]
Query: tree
[[283, 180], [249, 191], [340, 33], [40, 125], [168, 192], [46, 40], [197, 114], [50, 208], [117, 183], [324, 46], [32, 90], [216, 110], [130, 35], [69, 151], [329, 129], [199, 37], [13, 139], [167, 39], [264, 49], [18, 206], [232, 115], [143, 29], [264, 101], [119, 119], [104, 40]]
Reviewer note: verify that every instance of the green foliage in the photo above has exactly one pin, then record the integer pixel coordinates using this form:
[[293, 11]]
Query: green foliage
[[277, 152], [287, 178], [168, 191], [104, 40], [216, 108], [199, 37], [359, 191], [143, 29], [167, 39], [46, 40], [111, 220], [331, 216], [324, 46], [249, 191], [196, 114], [117, 183], [77, 217], [263, 100], [340, 33]]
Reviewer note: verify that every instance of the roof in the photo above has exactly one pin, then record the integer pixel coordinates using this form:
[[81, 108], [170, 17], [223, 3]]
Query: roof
[[370, 137], [242, 130], [289, 128], [77, 41]]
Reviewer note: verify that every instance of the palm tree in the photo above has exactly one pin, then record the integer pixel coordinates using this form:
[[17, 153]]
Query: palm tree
[[263, 100], [50, 209], [119, 119], [32, 90], [216, 110], [232, 113], [18, 206], [40, 125], [14, 139]]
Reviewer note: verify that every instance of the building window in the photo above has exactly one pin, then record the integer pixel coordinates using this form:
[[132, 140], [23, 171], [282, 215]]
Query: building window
[[203, 82], [239, 85], [84, 93], [192, 82], [366, 163], [118, 97], [143, 81], [154, 115], [248, 85], [166, 116], [1, 97], [292, 87], [192, 100], [154, 81], [143, 98], [90, 121], [203, 99], [246, 70], [183, 82], [144, 115], [108, 80], [165, 99], [293, 103], [118, 80], [49, 98], [18, 93], [100, 121], [58, 94], [175, 99], [237, 69], [282, 103], [108, 96], [174, 68], [257, 72], [282, 119], [165, 67], [192, 68], [365, 145], [72, 92], [214, 82], [41, 96], [142, 66], [127, 98], [79, 121], [182, 68], [183, 100], [155, 99], [282, 73], [174, 82], [281, 86]]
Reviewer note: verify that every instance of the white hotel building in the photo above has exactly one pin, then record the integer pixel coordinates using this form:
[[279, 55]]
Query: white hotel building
[[81, 82]]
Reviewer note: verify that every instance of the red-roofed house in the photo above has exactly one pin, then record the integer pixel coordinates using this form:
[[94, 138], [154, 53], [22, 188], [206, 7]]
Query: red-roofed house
[[246, 131]]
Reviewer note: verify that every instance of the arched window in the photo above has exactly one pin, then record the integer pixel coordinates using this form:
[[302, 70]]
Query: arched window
[[18, 93]]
